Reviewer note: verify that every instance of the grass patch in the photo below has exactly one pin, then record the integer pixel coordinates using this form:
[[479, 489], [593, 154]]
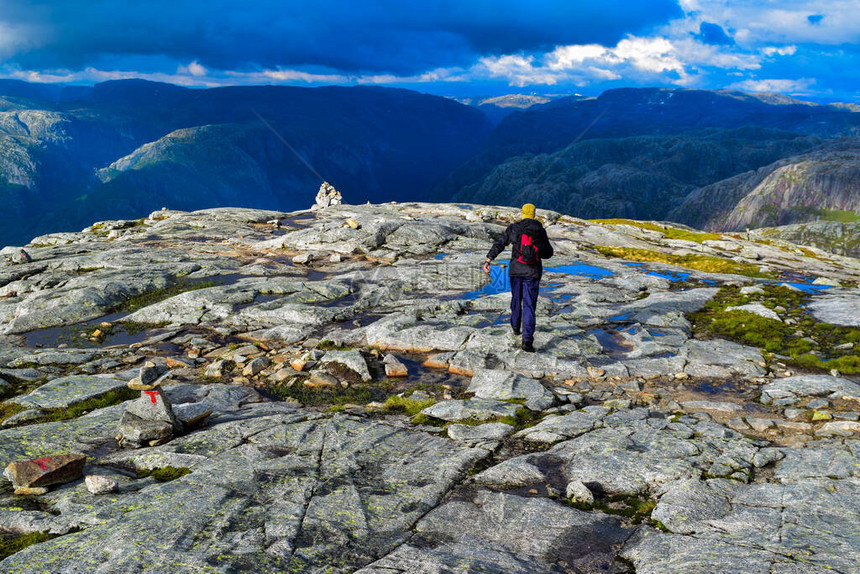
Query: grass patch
[[165, 473], [10, 546], [135, 327], [146, 299], [524, 418], [357, 394], [706, 263], [809, 343], [636, 509], [9, 409], [327, 345], [668, 232], [74, 411], [837, 215], [407, 405]]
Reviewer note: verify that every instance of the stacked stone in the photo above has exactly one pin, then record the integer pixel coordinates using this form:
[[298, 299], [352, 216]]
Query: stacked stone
[[327, 196], [148, 421]]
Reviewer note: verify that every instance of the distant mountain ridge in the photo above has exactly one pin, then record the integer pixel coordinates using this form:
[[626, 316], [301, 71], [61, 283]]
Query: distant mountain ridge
[[713, 159], [122, 148], [639, 153]]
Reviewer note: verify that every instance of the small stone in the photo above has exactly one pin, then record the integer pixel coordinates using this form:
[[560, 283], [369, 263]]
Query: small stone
[[255, 366], [135, 432], [617, 404], [193, 414], [394, 368], [578, 492], [303, 258], [760, 424], [681, 376], [834, 373], [335, 258], [595, 372], [282, 375], [321, 379], [821, 416], [100, 484], [22, 257], [353, 224], [176, 363], [30, 491]]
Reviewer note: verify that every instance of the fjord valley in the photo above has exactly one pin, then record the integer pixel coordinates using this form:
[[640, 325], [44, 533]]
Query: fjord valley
[[716, 160]]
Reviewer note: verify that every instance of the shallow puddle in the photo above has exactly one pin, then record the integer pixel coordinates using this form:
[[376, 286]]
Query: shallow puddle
[[611, 341], [580, 269]]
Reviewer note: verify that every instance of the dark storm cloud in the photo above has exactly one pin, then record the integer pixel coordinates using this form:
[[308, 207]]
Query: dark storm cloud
[[365, 36]]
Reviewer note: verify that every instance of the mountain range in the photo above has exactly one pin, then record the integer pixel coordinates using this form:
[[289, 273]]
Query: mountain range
[[717, 160]]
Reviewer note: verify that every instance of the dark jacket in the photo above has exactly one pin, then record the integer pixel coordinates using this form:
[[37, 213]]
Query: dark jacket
[[512, 236]]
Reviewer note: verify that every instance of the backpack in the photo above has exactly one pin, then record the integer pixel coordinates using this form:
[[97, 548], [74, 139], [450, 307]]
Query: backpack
[[528, 250]]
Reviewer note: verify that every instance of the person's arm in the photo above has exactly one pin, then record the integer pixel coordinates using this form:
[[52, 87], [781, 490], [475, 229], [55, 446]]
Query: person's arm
[[499, 246], [546, 250]]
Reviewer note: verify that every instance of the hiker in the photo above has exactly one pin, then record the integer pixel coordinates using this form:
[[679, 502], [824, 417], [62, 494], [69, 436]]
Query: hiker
[[530, 246]]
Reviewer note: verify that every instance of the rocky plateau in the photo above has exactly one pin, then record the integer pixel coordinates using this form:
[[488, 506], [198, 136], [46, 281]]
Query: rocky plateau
[[341, 392]]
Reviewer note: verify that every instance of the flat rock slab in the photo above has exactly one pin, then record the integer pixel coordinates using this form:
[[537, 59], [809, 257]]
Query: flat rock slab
[[837, 309], [67, 391], [476, 409], [274, 493], [500, 384], [498, 532], [811, 386], [810, 526]]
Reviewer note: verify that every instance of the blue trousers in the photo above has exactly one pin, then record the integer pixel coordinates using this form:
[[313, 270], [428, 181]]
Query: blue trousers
[[524, 294]]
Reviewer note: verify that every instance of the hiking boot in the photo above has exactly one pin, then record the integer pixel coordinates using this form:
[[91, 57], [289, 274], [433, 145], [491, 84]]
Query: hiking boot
[[516, 332], [528, 347]]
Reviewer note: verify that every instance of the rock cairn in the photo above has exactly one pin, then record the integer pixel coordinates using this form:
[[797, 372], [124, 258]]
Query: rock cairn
[[151, 419], [327, 196]]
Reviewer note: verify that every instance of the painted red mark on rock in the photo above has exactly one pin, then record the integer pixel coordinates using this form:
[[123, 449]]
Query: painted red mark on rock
[[152, 395], [42, 462]]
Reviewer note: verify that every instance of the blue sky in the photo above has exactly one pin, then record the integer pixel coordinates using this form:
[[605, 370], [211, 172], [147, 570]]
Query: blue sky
[[808, 48]]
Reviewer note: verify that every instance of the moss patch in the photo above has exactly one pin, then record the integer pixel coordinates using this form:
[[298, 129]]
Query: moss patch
[[706, 263], [407, 405], [809, 343], [10, 546], [165, 473], [632, 507], [138, 302], [62, 414], [357, 394], [668, 231]]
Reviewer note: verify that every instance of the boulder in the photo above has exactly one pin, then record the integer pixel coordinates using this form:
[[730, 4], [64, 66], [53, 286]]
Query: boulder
[[46, 471]]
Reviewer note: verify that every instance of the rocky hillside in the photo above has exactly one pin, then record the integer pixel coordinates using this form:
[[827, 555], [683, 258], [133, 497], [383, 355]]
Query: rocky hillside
[[339, 390], [824, 184], [640, 152], [68, 155], [633, 177]]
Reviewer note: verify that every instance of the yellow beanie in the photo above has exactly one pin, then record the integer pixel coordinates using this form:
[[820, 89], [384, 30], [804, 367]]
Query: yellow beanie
[[528, 211]]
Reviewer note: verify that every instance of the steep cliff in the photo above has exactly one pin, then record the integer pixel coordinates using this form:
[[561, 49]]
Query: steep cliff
[[821, 185]]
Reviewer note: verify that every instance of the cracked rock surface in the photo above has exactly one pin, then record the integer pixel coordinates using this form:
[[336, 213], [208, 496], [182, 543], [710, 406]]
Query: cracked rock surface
[[352, 399]]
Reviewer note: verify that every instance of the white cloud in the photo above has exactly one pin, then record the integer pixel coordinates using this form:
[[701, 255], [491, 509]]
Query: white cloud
[[798, 86], [194, 69], [785, 22], [296, 75], [783, 51]]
